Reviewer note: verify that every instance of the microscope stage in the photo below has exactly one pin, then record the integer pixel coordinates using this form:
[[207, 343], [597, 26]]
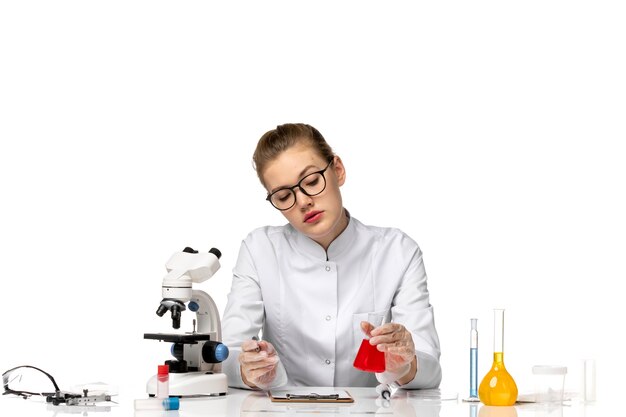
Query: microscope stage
[[188, 338]]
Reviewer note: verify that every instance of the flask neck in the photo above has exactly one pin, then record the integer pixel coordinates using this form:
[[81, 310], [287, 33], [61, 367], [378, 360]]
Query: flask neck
[[498, 330]]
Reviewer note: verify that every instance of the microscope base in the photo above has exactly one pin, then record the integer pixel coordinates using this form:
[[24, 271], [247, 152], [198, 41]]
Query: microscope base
[[192, 384]]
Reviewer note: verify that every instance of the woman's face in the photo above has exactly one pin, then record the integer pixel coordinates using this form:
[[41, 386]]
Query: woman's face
[[320, 217]]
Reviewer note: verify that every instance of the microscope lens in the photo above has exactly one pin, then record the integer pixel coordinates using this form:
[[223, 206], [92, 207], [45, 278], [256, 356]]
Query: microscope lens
[[175, 317], [161, 310]]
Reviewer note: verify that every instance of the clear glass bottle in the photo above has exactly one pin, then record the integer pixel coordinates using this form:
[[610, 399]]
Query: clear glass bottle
[[498, 386]]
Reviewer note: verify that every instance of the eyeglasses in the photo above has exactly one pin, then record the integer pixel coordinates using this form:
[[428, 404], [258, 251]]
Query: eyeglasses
[[28, 380], [311, 185]]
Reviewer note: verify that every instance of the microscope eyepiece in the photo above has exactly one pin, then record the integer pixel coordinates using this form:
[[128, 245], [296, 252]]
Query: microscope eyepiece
[[216, 252]]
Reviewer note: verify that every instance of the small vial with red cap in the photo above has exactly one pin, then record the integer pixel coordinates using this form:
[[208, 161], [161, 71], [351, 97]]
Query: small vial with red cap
[[163, 381]]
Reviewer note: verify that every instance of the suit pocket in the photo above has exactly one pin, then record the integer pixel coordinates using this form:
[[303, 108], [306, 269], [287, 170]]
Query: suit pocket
[[357, 334]]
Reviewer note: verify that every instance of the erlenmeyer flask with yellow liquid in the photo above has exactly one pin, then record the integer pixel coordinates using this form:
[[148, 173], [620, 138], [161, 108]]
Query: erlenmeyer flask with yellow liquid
[[498, 386]]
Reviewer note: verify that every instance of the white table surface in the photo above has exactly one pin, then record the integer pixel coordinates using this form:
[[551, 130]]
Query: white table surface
[[256, 404]]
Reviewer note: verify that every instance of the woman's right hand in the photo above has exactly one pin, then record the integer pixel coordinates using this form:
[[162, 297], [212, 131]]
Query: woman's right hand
[[258, 361]]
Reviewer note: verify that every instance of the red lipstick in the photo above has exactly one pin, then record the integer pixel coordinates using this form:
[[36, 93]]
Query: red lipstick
[[313, 216]]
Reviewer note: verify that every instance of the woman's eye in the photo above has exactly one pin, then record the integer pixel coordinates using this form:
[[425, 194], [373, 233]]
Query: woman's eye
[[313, 182], [283, 195]]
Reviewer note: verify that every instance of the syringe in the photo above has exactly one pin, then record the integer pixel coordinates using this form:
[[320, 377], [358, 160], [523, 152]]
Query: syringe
[[386, 391]]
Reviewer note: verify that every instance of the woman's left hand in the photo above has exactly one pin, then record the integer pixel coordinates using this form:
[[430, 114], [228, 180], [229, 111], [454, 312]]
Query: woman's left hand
[[397, 343]]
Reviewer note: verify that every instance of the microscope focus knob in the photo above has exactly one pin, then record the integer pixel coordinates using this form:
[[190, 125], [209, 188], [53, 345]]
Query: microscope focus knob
[[177, 350], [214, 352]]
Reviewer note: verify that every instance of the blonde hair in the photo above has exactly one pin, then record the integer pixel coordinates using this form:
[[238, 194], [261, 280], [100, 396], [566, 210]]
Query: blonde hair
[[278, 140]]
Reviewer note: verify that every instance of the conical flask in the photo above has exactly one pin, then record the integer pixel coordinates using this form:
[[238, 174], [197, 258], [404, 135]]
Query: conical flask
[[498, 386], [369, 358]]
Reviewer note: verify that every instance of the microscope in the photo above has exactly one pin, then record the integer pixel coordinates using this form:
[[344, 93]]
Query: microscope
[[196, 367]]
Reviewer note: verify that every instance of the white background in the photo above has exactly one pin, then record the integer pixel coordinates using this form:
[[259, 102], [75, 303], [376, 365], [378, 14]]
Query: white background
[[491, 132]]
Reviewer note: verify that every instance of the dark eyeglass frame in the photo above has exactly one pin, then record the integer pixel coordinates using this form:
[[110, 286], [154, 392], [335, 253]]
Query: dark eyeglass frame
[[299, 185], [25, 394]]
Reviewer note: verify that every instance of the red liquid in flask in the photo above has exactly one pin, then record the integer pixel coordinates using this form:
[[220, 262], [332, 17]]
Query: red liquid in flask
[[369, 359]]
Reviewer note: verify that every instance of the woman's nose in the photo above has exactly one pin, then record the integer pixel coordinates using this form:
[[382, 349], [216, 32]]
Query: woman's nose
[[302, 200]]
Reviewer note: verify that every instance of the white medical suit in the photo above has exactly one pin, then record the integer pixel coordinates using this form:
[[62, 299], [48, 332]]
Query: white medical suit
[[309, 303]]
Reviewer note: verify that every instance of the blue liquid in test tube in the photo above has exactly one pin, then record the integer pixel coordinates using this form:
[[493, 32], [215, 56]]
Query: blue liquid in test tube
[[473, 376], [474, 360]]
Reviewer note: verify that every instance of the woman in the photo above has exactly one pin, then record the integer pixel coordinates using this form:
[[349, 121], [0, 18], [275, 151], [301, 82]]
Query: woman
[[309, 285]]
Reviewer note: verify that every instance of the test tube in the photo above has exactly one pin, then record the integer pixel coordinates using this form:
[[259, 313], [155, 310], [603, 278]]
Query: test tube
[[474, 360], [171, 403], [589, 380], [163, 381]]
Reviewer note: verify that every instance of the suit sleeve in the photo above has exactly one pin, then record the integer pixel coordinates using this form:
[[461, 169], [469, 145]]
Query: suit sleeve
[[243, 316], [411, 307]]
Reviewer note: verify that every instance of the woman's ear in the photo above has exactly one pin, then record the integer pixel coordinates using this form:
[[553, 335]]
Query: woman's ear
[[340, 170]]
